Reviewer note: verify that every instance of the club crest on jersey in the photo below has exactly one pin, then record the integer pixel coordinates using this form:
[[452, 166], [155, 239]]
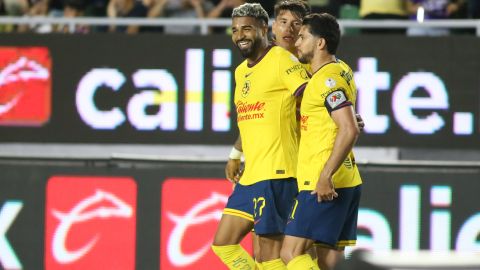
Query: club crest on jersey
[[246, 89], [330, 83], [336, 98]]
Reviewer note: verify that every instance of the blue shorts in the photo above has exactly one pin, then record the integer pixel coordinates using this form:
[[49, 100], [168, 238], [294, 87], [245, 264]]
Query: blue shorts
[[266, 203], [329, 223]]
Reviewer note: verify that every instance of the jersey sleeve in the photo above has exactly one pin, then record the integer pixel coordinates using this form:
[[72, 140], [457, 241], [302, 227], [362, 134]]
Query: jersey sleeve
[[335, 92], [292, 73]]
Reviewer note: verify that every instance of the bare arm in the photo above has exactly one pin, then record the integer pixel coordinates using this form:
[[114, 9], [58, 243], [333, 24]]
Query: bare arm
[[238, 144], [111, 13], [157, 9], [218, 9], [197, 5], [233, 170], [347, 135]]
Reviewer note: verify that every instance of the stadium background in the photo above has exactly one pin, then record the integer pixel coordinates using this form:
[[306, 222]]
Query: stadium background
[[418, 154]]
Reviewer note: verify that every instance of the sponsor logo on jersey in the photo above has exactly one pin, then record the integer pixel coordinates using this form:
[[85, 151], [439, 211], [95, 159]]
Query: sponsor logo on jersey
[[330, 83], [336, 98]]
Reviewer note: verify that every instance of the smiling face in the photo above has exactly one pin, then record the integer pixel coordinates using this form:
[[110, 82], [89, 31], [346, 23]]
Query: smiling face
[[248, 34], [306, 45], [285, 29]]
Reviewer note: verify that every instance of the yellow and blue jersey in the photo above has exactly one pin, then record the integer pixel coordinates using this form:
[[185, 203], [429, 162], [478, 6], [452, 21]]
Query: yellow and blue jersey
[[330, 88], [266, 105]]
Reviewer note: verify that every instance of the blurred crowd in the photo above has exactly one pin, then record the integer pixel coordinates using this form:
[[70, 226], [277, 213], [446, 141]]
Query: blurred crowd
[[344, 9]]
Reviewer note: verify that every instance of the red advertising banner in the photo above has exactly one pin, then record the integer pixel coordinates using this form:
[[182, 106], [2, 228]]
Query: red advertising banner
[[90, 223], [25, 86], [190, 211]]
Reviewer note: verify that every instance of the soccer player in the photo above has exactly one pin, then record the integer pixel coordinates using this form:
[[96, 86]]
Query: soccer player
[[288, 21], [326, 208], [266, 83]]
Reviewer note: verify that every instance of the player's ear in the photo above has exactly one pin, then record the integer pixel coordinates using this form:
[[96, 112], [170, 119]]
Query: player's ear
[[321, 43], [265, 29]]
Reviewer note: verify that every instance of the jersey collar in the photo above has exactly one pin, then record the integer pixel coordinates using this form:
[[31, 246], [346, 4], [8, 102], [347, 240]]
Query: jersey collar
[[261, 57]]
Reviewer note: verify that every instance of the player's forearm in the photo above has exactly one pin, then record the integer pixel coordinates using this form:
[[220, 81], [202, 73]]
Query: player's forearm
[[216, 11], [157, 9], [346, 138], [199, 11], [238, 144]]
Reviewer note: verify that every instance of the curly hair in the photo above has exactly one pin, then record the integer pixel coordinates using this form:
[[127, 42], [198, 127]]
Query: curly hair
[[254, 10]]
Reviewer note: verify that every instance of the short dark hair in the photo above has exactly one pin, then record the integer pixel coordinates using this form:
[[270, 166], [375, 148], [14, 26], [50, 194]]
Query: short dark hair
[[325, 26], [254, 10], [298, 7]]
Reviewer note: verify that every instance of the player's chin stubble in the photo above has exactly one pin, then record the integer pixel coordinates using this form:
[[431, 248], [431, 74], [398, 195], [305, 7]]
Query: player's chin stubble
[[305, 58]]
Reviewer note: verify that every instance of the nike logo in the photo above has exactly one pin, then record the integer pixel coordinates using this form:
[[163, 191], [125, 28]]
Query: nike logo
[[256, 221], [248, 74]]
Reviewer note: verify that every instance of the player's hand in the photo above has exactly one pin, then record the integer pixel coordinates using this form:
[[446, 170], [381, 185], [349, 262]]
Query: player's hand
[[360, 123], [325, 190], [233, 171]]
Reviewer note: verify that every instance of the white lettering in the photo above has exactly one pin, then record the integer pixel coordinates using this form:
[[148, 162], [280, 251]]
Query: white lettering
[[8, 213], [221, 90], [467, 239], [194, 74], [369, 81], [379, 228], [403, 103], [166, 99], [440, 219], [409, 218], [86, 106]]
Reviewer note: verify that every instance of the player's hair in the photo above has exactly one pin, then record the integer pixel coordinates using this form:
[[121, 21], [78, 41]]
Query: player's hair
[[254, 10], [325, 26], [298, 7]]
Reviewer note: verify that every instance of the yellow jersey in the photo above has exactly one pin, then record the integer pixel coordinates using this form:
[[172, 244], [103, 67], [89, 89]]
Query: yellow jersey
[[331, 87], [265, 104]]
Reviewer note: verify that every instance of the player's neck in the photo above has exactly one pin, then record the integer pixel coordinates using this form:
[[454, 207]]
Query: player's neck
[[320, 60], [262, 50], [293, 50]]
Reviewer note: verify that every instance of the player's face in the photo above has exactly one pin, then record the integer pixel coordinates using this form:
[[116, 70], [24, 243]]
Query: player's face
[[247, 35], [285, 29], [306, 44]]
